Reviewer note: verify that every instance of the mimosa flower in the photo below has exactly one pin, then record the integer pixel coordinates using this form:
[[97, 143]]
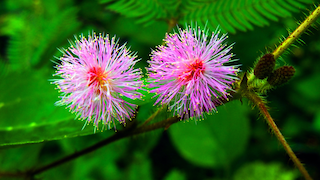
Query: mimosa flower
[[96, 72], [191, 72]]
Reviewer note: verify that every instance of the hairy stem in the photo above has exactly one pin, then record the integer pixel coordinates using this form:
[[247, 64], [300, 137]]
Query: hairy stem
[[296, 33], [257, 100]]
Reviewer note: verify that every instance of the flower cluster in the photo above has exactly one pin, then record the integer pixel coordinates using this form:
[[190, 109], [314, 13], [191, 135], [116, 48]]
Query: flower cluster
[[190, 73], [95, 73]]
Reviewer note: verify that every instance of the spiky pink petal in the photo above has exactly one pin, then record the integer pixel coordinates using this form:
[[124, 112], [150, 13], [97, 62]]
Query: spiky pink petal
[[95, 73], [189, 73]]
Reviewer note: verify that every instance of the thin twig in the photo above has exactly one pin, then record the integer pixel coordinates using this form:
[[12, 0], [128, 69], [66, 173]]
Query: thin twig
[[96, 146], [115, 137], [153, 116]]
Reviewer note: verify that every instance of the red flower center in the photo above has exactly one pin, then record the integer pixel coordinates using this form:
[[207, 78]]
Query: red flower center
[[97, 77], [192, 70]]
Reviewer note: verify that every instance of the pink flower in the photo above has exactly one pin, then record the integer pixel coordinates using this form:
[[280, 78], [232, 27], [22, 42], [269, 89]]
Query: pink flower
[[95, 73], [189, 73]]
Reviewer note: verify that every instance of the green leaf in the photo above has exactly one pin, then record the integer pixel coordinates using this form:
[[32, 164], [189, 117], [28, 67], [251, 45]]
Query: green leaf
[[19, 159], [316, 123], [224, 24], [303, 94], [237, 25], [140, 167], [303, 87], [101, 164], [253, 13], [265, 171], [244, 7], [151, 35], [147, 97], [115, 161], [212, 142], [298, 4], [28, 114], [34, 43], [174, 175], [231, 13], [242, 19], [144, 10]]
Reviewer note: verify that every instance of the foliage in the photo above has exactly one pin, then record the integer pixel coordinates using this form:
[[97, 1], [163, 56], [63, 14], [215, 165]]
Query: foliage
[[227, 145], [28, 126], [209, 143], [264, 171], [231, 15], [39, 28]]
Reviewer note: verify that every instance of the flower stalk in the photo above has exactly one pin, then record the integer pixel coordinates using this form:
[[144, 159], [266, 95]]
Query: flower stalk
[[244, 89], [258, 101]]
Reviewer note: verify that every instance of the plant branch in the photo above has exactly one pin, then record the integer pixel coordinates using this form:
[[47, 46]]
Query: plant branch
[[129, 131], [258, 101], [296, 33], [153, 116], [98, 145], [119, 135]]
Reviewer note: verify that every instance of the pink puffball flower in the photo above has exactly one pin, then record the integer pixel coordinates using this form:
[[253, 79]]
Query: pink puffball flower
[[96, 72], [189, 73]]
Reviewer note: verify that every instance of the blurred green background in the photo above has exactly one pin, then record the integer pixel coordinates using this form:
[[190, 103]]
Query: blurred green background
[[234, 144]]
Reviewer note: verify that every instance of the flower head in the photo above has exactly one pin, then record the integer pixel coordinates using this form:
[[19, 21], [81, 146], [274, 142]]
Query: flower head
[[95, 73], [189, 73]]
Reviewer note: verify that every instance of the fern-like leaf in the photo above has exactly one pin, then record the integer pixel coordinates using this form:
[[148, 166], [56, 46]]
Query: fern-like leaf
[[146, 11], [233, 15], [230, 15]]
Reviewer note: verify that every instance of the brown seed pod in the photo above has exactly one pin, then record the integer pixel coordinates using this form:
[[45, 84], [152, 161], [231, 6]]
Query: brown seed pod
[[265, 66], [281, 75]]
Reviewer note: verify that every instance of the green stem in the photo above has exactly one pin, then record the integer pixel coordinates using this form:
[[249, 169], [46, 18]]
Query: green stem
[[295, 34], [153, 116], [258, 101]]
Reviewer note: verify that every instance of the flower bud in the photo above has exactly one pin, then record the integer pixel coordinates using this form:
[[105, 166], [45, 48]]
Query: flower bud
[[281, 75], [265, 66]]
